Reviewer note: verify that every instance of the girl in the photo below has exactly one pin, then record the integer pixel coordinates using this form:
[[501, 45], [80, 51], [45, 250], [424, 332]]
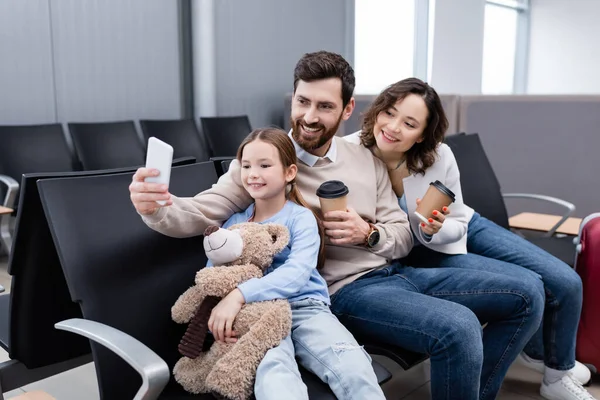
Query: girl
[[318, 341], [405, 127]]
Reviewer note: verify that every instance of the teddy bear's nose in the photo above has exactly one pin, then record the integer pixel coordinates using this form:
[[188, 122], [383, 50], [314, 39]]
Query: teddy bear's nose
[[210, 230]]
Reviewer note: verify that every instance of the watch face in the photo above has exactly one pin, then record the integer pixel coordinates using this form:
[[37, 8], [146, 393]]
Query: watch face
[[373, 238]]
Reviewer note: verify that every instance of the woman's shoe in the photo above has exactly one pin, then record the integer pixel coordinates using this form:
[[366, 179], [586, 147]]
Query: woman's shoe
[[566, 388], [579, 371]]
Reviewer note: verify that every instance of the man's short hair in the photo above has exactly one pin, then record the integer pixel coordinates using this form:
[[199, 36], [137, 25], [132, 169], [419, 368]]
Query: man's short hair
[[323, 65]]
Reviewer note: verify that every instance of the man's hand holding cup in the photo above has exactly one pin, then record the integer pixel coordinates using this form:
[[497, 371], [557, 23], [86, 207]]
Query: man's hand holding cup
[[342, 225]]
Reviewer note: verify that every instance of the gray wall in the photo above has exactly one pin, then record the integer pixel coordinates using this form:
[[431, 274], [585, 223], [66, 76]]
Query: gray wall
[[93, 60], [26, 74], [540, 144], [259, 43]]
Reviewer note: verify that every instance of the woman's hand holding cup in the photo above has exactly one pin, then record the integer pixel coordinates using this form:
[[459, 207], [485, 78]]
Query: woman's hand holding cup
[[437, 197], [435, 221]]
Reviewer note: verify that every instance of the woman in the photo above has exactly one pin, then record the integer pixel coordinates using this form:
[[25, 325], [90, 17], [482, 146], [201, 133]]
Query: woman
[[405, 127]]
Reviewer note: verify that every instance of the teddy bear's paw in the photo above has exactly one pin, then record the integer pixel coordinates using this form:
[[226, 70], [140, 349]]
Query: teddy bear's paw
[[179, 317], [191, 374], [234, 384], [219, 396]]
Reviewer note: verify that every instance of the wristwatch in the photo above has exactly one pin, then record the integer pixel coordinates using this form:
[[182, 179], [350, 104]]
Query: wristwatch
[[372, 237]]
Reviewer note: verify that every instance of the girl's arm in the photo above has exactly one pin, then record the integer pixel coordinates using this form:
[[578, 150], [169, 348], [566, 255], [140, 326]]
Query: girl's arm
[[289, 278], [455, 224]]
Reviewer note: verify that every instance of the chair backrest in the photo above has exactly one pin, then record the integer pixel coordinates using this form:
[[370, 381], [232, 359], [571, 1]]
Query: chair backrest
[[480, 187], [107, 145], [224, 134], [121, 272], [182, 134], [34, 148], [39, 295]]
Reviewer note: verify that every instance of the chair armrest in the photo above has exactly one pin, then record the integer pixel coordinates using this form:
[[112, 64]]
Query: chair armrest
[[218, 161], [12, 191], [153, 369], [222, 158], [569, 206]]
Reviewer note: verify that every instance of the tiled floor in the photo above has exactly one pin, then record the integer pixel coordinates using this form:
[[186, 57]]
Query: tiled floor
[[80, 383]]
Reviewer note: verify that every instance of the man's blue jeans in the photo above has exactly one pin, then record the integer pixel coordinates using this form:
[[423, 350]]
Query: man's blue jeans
[[439, 311], [495, 249]]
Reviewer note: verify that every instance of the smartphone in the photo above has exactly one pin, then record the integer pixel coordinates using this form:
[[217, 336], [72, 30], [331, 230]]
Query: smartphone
[[160, 157]]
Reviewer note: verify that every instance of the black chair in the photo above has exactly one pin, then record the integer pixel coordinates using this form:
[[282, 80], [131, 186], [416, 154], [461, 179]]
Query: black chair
[[26, 149], [107, 145], [224, 134], [481, 191], [37, 300], [127, 277], [182, 134], [39, 296]]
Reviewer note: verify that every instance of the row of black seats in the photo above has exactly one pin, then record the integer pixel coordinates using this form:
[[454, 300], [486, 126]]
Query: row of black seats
[[44, 148], [98, 146]]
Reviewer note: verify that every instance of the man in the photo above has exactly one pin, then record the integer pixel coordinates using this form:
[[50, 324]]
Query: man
[[373, 296]]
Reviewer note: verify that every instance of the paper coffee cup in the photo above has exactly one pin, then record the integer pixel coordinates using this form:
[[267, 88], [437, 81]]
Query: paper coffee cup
[[333, 196], [437, 197]]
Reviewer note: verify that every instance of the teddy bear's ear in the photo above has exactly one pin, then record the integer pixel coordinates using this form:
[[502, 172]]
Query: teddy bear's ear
[[280, 235]]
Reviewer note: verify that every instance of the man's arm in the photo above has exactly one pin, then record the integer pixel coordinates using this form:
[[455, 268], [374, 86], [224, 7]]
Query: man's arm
[[396, 239], [190, 216]]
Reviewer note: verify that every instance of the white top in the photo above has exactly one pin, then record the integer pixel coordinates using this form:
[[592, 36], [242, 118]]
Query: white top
[[452, 238]]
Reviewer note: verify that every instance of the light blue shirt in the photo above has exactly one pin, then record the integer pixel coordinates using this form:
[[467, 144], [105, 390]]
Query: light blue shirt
[[293, 274]]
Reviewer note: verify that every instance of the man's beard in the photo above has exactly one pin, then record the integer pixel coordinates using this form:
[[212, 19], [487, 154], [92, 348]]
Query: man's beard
[[317, 142]]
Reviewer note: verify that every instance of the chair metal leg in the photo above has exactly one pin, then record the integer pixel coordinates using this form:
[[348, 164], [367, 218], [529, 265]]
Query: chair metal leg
[[12, 193], [5, 236]]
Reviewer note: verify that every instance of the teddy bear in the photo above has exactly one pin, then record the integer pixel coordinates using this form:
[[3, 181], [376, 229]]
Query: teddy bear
[[228, 370]]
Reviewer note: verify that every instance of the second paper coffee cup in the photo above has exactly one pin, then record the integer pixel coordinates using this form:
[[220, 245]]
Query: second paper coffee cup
[[333, 196], [436, 197]]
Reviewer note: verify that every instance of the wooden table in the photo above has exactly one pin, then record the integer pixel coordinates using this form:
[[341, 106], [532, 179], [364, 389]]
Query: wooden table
[[5, 210], [543, 222]]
